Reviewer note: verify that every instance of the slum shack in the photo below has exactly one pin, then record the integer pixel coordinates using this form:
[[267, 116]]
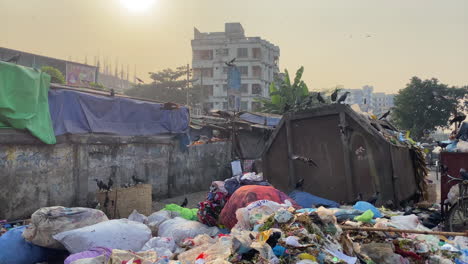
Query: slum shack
[[248, 132], [348, 153]]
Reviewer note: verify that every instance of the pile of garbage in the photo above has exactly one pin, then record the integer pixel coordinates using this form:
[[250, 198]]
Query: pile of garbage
[[253, 224]]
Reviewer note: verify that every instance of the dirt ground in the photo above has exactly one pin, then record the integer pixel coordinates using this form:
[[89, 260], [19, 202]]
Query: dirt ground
[[193, 200]]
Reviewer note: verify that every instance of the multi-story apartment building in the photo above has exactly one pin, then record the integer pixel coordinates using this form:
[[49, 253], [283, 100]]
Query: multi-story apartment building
[[257, 60], [368, 101]]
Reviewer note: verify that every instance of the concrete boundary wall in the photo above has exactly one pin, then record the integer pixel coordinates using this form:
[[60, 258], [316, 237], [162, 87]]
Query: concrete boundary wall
[[34, 175]]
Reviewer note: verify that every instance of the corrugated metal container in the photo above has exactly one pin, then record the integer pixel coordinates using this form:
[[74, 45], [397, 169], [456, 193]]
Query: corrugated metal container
[[352, 157]]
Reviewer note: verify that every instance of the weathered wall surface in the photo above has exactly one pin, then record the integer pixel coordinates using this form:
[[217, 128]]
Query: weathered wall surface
[[34, 175]]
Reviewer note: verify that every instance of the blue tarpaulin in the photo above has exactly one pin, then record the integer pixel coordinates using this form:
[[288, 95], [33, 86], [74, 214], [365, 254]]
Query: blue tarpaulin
[[76, 112], [260, 119]]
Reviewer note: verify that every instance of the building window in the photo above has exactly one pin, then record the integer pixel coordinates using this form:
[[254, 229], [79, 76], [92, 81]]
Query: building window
[[203, 54], [256, 106], [245, 88], [257, 71], [203, 72], [242, 52], [244, 70], [208, 90], [256, 89], [222, 52], [257, 53], [225, 87], [244, 105]]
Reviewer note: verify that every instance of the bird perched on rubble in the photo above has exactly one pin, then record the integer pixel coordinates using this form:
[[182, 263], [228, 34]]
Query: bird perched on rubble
[[101, 185], [320, 98], [443, 145], [343, 98], [299, 184], [112, 92], [358, 198], [136, 180], [374, 198], [14, 59], [184, 203], [170, 106], [385, 115], [334, 95], [464, 174], [458, 119], [110, 183]]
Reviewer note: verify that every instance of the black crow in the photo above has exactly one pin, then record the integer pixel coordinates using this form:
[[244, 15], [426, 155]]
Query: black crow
[[334, 95], [231, 62], [358, 198], [343, 97], [110, 183], [139, 80], [101, 185], [14, 59], [374, 198], [112, 92], [299, 184], [385, 115], [459, 118], [442, 145], [136, 180], [320, 98], [184, 203]]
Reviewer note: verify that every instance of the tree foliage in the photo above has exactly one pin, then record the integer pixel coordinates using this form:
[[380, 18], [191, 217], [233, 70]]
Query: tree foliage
[[427, 104], [167, 85], [55, 74]]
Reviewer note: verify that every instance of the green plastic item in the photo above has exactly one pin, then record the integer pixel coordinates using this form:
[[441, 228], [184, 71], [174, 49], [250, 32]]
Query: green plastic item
[[365, 217], [24, 102], [189, 214]]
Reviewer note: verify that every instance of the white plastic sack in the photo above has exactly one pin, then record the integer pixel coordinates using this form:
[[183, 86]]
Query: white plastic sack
[[49, 221], [216, 252], [137, 217], [165, 242], [453, 194], [406, 222], [252, 176], [155, 219], [116, 234], [180, 229], [257, 212], [462, 146]]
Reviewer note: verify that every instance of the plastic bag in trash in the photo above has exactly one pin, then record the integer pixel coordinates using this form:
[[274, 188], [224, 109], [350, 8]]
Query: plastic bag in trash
[[308, 200], [406, 222], [95, 260], [121, 234], [256, 213], [92, 253], [365, 217], [189, 214], [14, 249], [382, 253], [216, 252], [124, 256], [49, 221], [364, 206], [346, 214], [137, 217], [155, 219], [164, 242], [180, 229]]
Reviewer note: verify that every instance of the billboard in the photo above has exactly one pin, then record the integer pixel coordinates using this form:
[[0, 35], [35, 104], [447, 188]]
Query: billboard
[[234, 88], [79, 74]]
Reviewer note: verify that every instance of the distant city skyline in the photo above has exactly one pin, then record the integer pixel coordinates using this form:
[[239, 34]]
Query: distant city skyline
[[349, 43]]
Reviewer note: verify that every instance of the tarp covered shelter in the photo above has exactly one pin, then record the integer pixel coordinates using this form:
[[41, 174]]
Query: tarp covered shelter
[[352, 156]]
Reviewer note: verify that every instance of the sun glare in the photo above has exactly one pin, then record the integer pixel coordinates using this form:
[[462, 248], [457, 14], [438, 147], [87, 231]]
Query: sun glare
[[137, 5]]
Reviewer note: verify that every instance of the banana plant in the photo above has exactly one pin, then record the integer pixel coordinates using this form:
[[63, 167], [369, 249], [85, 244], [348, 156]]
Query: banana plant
[[286, 96]]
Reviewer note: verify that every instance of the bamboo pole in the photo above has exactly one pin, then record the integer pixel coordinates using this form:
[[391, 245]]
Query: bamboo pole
[[394, 230]]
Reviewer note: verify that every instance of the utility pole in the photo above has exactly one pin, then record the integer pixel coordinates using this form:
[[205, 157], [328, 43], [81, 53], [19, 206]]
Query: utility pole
[[188, 82]]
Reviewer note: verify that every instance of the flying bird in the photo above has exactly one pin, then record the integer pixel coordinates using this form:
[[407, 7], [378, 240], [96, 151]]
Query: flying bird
[[343, 97], [374, 198], [385, 115], [334, 95], [368, 36], [310, 162], [14, 59], [231, 62], [320, 98], [184, 203], [139, 80]]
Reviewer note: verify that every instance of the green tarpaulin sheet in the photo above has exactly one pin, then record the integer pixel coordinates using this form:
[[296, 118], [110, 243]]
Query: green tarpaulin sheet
[[24, 101]]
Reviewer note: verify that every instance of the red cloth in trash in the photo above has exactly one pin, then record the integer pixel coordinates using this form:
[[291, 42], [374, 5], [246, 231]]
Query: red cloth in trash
[[248, 194]]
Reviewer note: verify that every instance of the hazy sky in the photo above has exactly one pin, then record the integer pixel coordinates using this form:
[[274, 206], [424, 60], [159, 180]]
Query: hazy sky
[[427, 38]]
